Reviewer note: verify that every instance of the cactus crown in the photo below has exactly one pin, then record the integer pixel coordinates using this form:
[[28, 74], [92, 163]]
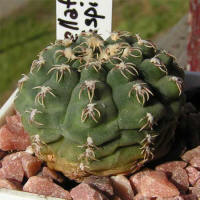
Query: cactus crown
[[101, 107]]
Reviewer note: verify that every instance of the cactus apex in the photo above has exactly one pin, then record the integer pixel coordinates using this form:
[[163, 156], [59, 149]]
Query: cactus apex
[[94, 43]]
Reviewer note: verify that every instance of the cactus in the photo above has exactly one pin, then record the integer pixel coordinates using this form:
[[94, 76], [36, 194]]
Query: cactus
[[101, 107]]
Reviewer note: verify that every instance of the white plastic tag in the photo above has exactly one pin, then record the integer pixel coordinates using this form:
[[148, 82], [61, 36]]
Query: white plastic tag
[[75, 16]]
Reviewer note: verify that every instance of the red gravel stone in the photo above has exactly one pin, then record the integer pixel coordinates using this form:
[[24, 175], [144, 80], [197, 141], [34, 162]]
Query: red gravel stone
[[195, 162], [31, 165], [154, 184], [171, 198], [101, 183], [180, 179], [4, 183], [193, 175], [190, 197], [41, 175], [195, 191], [12, 141], [16, 165], [18, 184], [14, 124], [12, 167], [169, 167], [189, 155], [122, 187], [85, 192], [135, 180], [7, 139], [42, 186], [116, 198], [182, 197], [52, 174], [197, 184], [141, 197]]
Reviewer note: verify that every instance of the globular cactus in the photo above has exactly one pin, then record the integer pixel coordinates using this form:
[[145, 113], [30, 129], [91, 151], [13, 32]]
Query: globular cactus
[[101, 107]]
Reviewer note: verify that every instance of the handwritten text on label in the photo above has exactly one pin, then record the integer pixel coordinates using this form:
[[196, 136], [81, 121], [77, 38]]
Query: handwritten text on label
[[74, 17]]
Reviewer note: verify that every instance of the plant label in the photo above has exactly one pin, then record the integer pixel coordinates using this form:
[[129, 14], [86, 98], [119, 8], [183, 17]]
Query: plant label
[[75, 16]]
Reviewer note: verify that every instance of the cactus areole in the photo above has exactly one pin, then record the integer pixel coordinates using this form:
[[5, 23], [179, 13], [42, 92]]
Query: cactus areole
[[101, 107]]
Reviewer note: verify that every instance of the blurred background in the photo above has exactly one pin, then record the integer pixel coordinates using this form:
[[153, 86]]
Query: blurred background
[[27, 26]]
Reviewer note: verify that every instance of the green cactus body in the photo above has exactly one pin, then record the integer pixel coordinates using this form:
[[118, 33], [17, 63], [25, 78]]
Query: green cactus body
[[101, 107]]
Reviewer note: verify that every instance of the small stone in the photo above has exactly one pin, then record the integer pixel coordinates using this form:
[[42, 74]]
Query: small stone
[[135, 180], [52, 174], [6, 139], [12, 167], [171, 198], [154, 184], [195, 162], [195, 191], [42, 186], [193, 175], [18, 184], [141, 197], [169, 167], [189, 197], [116, 198], [180, 179], [189, 155], [103, 184], [31, 165], [4, 183], [197, 184], [16, 165], [182, 197], [41, 175], [122, 187], [85, 192], [11, 141], [14, 124]]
